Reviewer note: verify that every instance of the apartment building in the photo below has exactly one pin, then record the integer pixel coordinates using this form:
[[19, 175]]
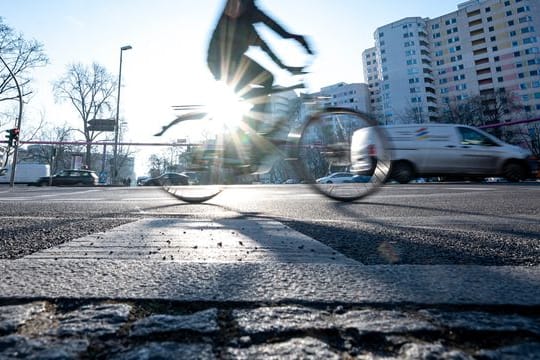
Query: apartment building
[[418, 65], [353, 96]]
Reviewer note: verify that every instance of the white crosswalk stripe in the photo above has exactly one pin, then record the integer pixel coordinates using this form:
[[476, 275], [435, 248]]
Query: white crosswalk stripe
[[180, 240]]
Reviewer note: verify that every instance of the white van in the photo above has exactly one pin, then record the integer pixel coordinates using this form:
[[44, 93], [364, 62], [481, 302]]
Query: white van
[[26, 173], [445, 150]]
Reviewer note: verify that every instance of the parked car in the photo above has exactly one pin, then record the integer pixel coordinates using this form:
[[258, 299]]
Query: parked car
[[70, 178], [359, 179], [193, 177], [336, 178], [142, 179], [441, 150], [168, 179]]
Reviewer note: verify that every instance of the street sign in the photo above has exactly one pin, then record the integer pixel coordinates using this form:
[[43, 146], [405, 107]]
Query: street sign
[[101, 125]]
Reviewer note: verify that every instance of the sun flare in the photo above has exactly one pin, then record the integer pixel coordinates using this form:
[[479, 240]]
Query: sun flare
[[225, 108]]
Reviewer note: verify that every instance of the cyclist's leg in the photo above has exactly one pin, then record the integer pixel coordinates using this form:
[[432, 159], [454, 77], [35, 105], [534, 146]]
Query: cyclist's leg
[[253, 82]]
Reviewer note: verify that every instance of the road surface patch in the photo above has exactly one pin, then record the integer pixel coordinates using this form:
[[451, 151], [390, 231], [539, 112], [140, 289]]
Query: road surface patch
[[188, 240]]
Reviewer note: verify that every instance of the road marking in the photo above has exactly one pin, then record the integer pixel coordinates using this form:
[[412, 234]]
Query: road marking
[[471, 188], [228, 240]]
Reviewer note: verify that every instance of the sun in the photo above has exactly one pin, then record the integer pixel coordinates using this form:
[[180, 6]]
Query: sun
[[226, 108]]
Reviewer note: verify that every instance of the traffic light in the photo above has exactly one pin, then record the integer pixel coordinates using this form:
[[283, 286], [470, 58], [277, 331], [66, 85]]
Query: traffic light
[[12, 136]]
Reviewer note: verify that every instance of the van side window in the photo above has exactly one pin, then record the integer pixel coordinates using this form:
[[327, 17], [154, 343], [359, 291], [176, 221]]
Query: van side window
[[473, 137]]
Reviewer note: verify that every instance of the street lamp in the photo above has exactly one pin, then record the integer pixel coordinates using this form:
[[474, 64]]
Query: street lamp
[[115, 151]]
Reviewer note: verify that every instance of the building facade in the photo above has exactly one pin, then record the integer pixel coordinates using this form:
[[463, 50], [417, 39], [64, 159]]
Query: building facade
[[351, 96], [420, 65]]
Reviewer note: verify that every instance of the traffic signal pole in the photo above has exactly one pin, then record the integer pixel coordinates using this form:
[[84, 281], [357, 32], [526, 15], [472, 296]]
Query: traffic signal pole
[[18, 126]]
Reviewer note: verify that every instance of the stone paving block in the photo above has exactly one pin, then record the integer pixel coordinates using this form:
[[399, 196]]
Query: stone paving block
[[300, 348], [524, 351], [382, 321], [12, 316], [19, 347], [281, 319], [166, 350], [92, 320], [431, 351], [204, 322], [483, 321]]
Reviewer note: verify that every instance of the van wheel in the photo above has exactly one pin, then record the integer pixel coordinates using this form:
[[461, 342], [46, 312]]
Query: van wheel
[[402, 172], [514, 172]]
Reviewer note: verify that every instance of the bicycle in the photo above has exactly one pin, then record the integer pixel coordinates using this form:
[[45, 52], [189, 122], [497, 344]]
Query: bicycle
[[315, 145]]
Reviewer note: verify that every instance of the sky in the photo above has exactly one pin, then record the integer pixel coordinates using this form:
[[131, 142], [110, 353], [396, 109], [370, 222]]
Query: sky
[[166, 65]]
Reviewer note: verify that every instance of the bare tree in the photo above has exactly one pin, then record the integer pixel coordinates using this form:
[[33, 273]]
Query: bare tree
[[91, 92], [21, 56], [483, 109], [414, 114]]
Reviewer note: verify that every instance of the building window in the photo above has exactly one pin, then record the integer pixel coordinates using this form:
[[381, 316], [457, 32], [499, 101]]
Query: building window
[[500, 79], [509, 13]]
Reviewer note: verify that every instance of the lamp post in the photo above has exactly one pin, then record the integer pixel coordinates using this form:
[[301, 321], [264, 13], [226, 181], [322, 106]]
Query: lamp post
[[116, 123]]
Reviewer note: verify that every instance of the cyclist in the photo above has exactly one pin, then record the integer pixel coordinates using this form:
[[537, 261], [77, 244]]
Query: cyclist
[[234, 33]]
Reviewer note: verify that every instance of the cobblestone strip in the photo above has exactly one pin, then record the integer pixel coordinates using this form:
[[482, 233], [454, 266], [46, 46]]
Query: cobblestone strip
[[146, 329]]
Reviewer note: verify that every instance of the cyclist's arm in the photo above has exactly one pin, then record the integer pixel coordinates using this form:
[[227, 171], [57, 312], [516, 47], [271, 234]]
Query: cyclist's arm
[[278, 29]]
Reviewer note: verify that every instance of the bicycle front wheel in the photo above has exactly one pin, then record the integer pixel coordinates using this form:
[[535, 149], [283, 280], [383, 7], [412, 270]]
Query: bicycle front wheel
[[343, 154]]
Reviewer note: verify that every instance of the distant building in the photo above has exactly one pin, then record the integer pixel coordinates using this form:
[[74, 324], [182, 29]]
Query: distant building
[[351, 96], [419, 64]]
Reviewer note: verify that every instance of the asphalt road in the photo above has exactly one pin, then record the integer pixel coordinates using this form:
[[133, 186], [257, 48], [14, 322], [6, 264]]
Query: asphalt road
[[415, 224]]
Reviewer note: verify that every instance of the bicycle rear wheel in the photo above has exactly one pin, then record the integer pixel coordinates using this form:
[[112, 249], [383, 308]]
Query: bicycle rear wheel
[[342, 153]]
